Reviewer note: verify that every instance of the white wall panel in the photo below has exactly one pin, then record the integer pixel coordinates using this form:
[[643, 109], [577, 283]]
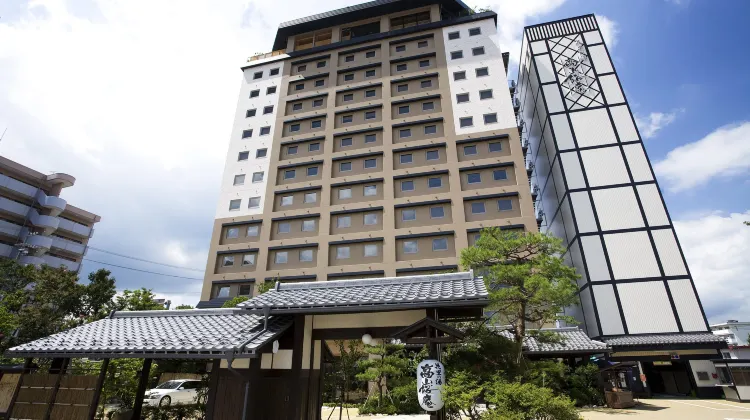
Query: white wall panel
[[592, 37], [652, 205], [631, 255], [553, 98], [592, 127], [563, 135], [604, 166], [646, 307], [576, 261], [687, 306], [638, 162], [557, 227], [584, 212], [617, 208], [538, 47], [588, 309], [609, 314], [544, 67], [611, 88], [669, 252], [572, 168], [595, 260], [624, 123], [600, 58]]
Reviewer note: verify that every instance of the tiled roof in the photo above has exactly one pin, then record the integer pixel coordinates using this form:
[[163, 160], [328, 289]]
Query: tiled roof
[[196, 333], [380, 294], [662, 339], [573, 340], [213, 303]]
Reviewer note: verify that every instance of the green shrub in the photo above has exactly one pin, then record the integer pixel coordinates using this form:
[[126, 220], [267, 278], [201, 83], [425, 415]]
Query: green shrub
[[175, 412], [583, 385], [372, 406], [405, 398], [517, 401], [548, 374]]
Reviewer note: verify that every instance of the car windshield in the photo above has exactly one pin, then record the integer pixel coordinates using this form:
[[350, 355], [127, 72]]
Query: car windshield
[[169, 385]]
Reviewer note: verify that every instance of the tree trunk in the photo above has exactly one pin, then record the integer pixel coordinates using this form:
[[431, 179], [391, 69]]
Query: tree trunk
[[520, 333]]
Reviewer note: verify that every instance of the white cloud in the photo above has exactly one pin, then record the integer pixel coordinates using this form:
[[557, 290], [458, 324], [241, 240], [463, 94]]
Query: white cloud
[[610, 30], [717, 246], [650, 125], [724, 153], [513, 15]]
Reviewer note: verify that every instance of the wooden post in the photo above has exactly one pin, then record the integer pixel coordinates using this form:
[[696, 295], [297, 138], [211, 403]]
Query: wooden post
[[98, 390], [141, 391], [26, 368], [213, 387], [297, 382], [62, 367]]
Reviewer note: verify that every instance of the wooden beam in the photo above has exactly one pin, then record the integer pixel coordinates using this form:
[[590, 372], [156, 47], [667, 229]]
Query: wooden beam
[[98, 390], [141, 390], [354, 333], [213, 385], [62, 367], [427, 340], [26, 368]]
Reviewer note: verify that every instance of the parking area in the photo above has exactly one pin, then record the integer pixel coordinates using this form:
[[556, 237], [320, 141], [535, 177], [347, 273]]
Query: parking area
[[669, 408]]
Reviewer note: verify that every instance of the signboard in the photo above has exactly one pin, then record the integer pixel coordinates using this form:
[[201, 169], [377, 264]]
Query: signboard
[[659, 363], [430, 380]]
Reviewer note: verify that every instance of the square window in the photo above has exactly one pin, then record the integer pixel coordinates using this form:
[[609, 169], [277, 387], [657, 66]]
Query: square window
[[290, 174], [254, 93], [407, 185], [320, 82], [424, 63], [432, 155], [406, 158], [239, 179], [370, 138], [400, 48], [483, 71], [504, 205], [347, 118], [500, 175], [371, 163], [474, 178], [297, 106], [301, 68], [436, 182], [370, 54], [348, 58], [404, 109], [404, 133], [343, 222], [459, 75], [349, 77], [234, 204], [485, 94], [345, 166], [248, 259], [348, 97], [250, 113], [317, 103], [299, 86], [287, 200], [257, 177], [430, 129], [425, 84], [402, 88], [308, 225], [312, 171], [310, 197], [496, 147], [321, 64], [408, 215], [264, 131], [316, 124], [477, 51], [370, 115], [228, 261], [284, 227], [261, 153], [223, 291], [253, 230], [401, 67], [370, 73], [267, 109], [455, 55], [370, 93], [477, 208], [247, 133], [422, 44], [291, 150], [370, 190], [274, 72], [466, 121], [233, 233], [306, 255], [371, 250], [440, 244], [428, 106], [270, 90], [410, 247], [371, 219], [281, 257], [470, 150], [243, 156], [462, 97], [345, 193], [475, 31], [454, 35], [490, 118], [253, 204], [343, 253], [313, 147], [346, 142], [437, 212]]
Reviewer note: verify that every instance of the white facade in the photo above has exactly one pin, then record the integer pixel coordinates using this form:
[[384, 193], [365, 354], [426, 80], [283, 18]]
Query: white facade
[[736, 333], [257, 146]]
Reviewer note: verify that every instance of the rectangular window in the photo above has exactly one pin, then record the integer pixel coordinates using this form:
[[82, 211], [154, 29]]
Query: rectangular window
[[402, 88], [255, 93], [428, 106], [239, 179], [228, 261], [407, 185], [320, 82], [371, 163], [403, 109], [370, 93], [500, 175], [482, 71], [348, 58], [321, 64], [432, 155], [459, 75], [475, 31], [454, 35], [317, 103], [370, 138], [253, 204], [345, 193], [400, 48], [496, 147], [284, 227], [347, 119], [301, 68], [404, 133], [223, 291], [462, 97], [312, 171], [440, 244], [370, 73], [316, 124], [346, 142], [281, 257], [370, 190], [308, 225], [313, 147], [477, 51], [253, 231], [345, 166], [234, 204], [410, 247], [485, 94], [455, 55], [470, 150], [408, 215], [310, 197], [422, 44], [349, 77], [490, 118], [425, 84], [247, 259], [424, 63], [297, 106], [233, 233], [466, 121], [243, 156], [430, 129], [287, 200], [270, 90], [474, 178], [504, 205], [290, 174], [257, 177], [343, 253], [401, 67], [370, 54], [273, 72], [247, 133], [435, 182], [370, 115], [406, 158], [437, 212], [371, 219], [348, 97], [371, 250], [306, 255], [477, 208], [343, 221], [291, 150], [267, 109], [299, 86], [264, 131], [250, 113]]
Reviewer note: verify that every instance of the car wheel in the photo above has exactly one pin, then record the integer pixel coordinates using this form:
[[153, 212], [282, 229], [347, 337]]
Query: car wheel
[[165, 401]]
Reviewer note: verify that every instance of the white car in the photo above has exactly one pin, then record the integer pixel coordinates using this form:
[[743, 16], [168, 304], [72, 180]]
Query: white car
[[178, 391]]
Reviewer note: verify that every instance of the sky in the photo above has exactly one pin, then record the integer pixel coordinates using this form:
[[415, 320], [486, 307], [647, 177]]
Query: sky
[[136, 99]]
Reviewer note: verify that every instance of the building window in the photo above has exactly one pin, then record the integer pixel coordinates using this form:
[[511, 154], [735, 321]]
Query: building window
[[345, 166], [273, 72], [440, 244], [270, 90], [371, 163], [247, 133], [316, 124], [485, 94], [477, 51], [474, 178], [239, 180], [402, 88], [370, 115], [370, 73], [253, 230], [349, 77], [410, 20], [475, 31], [261, 153], [233, 233], [243, 156], [371, 250], [407, 185], [228, 261], [470, 150], [349, 58], [425, 84], [250, 113], [348, 97], [422, 44], [343, 222], [404, 133], [312, 171], [290, 174], [432, 155], [371, 219], [234, 204], [466, 121], [294, 127], [406, 158], [477, 208], [347, 119], [257, 177], [310, 197], [342, 253], [455, 55], [401, 67], [370, 54], [253, 204], [500, 175], [301, 68], [462, 97], [268, 109], [490, 118], [403, 109], [299, 86], [370, 190], [504, 205], [320, 82], [306, 255], [345, 193], [482, 71], [424, 63], [496, 147], [400, 48], [370, 93], [255, 93], [248, 259], [435, 182], [291, 150], [246, 290], [287, 200], [459, 75], [317, 103], [346, 142], [408, 215], [281, 257], [313, 147], [430, 129], [454, 35], [321, 64], [410, 247], [428, 106], [264, 131], [437, 212], [223, 291], [370, 138]]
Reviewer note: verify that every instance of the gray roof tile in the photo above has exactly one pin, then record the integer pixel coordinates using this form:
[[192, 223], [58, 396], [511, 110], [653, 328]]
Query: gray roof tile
[[452, 289], [201, 333], [660, 339], [573, 340]]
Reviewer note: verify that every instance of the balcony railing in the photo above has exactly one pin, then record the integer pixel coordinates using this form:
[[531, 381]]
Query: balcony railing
[[257, 57], [74, 227], [17, 186], [66, 245]]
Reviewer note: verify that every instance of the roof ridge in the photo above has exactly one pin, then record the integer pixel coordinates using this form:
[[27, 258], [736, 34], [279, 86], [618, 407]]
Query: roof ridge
[[424, 278], [176, 312]]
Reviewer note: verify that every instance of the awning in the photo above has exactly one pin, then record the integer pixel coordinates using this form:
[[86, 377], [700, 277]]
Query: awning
[[176, 334]]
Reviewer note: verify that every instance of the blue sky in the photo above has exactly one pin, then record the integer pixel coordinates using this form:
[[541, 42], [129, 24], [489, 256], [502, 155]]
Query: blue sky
[[136, 100]]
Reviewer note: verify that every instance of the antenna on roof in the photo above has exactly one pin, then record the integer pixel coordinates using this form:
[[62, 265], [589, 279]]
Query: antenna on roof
[[3, 135]]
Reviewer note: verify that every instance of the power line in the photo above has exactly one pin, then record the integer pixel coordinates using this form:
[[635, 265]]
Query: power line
[[144, 260], [142, 271]]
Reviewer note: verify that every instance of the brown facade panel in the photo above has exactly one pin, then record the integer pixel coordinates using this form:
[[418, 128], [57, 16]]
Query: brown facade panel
[[232, 289], [420, 64], [284, 201], [295, 228], [421, 185], [355, 253], [423, 215], [357, 166], [308, 86], [496, 208], [413, 86], [412, 47], [362, 56], [321, 64], [418, 131], [416, 158], [292, 258], [240, 233], [497, 176], [425, 248], [302, 149], [344, 142], [483, 149], [357, 193], [236, 262], [346, 78], [416, 107], [360, 96], [355, 119], [356, 222], [299, 173], [306, 126], [299, 106]]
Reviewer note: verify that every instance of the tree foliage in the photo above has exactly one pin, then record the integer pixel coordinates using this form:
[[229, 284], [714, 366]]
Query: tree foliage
[[386, 362], [136, 300], [231, 303], [526, 401], [184, 306]]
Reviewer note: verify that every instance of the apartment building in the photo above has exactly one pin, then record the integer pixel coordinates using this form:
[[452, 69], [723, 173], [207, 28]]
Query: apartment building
[[374, 141], [37, 226]]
